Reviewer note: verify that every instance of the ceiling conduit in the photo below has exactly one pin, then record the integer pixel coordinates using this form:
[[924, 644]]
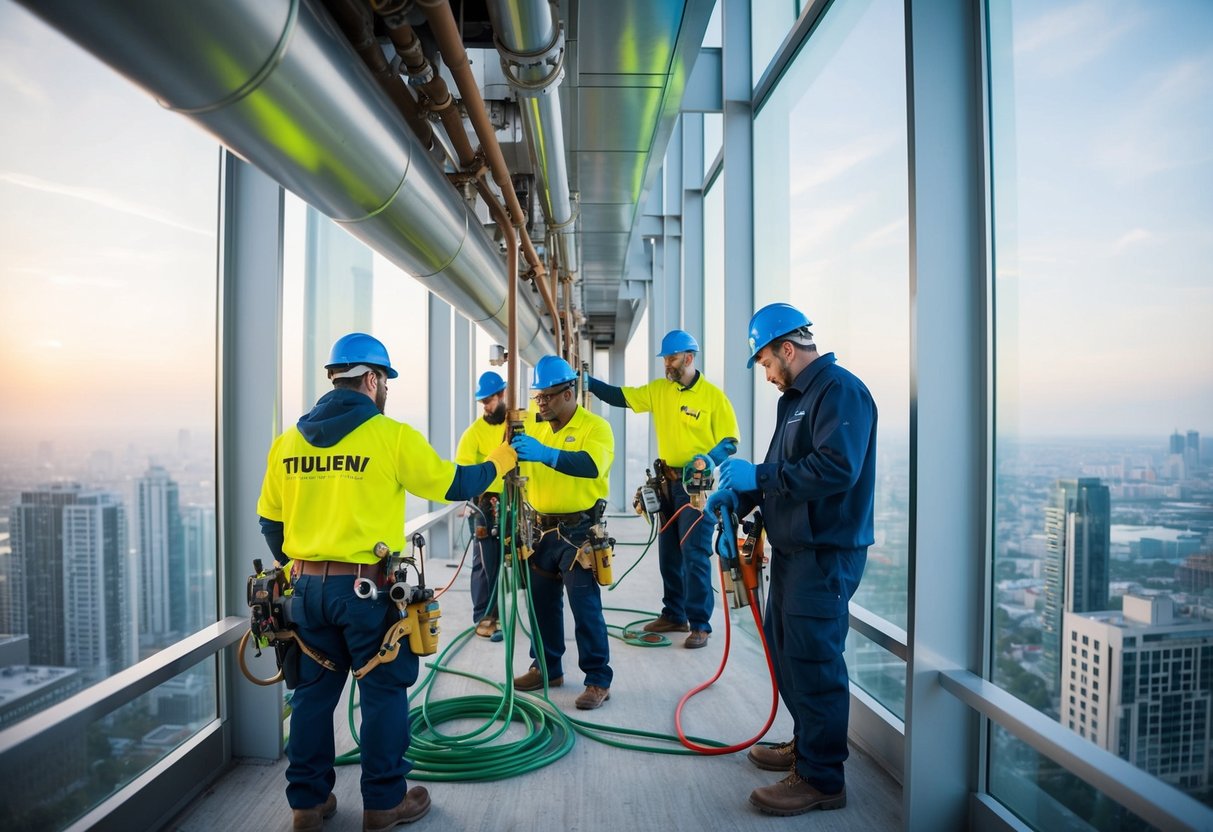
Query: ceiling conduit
[[530, 39], [278, 84]]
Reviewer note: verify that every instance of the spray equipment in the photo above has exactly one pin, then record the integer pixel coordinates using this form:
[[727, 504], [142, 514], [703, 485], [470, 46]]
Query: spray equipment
[[419, 612], [268, 612], [601, 547], [698, 479], [743, 573]]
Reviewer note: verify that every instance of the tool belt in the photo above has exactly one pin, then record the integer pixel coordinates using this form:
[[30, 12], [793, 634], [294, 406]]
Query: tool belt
[[325, 568], [551, 521]]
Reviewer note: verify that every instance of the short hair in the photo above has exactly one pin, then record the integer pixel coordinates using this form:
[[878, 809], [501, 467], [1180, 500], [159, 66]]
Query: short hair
[[351, 382], [801, 339]]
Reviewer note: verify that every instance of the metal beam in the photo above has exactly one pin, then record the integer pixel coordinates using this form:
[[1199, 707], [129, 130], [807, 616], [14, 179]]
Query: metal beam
[[949, 432], [739, 219], [250, 417]]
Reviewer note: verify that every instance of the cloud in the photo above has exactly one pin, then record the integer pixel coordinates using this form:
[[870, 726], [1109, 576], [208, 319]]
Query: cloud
[[1131, 238], [101, 198], [1070, 37], [817, 170], [23, 85]]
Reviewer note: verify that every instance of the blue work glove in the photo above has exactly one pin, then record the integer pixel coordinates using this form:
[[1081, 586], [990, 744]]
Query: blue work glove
[[530, 449], [586, 378], [721, 503], [737, 473], [724, 449]]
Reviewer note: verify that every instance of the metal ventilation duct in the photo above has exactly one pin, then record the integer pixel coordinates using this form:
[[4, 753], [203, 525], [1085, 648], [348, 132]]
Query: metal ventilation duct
[[531, 42], [276, 82]]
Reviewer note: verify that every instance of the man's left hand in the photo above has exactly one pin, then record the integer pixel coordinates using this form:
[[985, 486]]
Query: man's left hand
[[738, 474]]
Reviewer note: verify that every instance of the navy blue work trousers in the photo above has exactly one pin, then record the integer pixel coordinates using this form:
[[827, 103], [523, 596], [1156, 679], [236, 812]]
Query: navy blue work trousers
[[486, 562], [347, 629], [806, 625], [553, 573], [686, 565]]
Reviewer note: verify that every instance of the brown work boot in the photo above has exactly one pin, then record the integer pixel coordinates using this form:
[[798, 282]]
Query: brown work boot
[[415, 805], [312, 820], [781, 757], [697, 639], [592, 698], [486, 626], [533, 680], [665, 625], [794, 796]]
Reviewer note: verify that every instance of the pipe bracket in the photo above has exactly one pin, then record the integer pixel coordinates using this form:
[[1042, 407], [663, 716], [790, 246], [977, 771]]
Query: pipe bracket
[[551, 55]]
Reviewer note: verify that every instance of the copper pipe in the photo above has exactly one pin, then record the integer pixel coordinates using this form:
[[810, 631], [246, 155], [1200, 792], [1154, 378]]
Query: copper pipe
[[450, 43], [358, 27], [437, 98], [511, 249]]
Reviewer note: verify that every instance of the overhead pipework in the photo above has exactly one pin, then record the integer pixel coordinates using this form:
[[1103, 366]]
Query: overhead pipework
[[529, 36], [278, 84]]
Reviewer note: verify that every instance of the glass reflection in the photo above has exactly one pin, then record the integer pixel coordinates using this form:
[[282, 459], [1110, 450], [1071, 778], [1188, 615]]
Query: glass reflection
[[1103, 485]]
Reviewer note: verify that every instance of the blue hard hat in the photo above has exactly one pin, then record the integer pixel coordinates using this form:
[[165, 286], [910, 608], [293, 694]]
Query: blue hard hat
[[360, 348], [676, 341], [770, 322], [551, 371], [489, 384]]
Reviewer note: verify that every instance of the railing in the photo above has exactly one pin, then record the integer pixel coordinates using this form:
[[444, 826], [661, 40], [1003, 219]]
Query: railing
[[1156, 802]]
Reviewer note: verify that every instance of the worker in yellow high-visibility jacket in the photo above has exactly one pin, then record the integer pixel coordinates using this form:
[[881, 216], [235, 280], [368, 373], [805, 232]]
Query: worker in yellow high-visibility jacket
[[334, 487]]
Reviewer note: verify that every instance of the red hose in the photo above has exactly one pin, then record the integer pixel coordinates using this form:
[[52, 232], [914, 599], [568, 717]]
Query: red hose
[[728, 633]]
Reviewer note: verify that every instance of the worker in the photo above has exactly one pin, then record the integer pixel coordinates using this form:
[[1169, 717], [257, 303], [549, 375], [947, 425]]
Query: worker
[[691, 416], [565, 456], [478, 441], [334, 487], [815, 488]]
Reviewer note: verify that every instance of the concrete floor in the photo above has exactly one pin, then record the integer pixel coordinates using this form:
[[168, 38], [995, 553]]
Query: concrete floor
[[595, 786]]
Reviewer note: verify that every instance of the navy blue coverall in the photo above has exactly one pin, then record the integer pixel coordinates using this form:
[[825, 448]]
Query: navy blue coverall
[[815, 489]]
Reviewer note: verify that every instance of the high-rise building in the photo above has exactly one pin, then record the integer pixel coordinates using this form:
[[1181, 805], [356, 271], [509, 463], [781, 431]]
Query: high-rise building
[[161, 559], [1078, 521], [198, 529], [1178, 443], [1192, 451], [68, 580], [98, 631], [35, 580], [1140, 684]]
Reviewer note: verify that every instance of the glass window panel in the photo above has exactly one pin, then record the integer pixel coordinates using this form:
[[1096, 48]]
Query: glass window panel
[[334, 284], [638, 370], [711, 37], [59, 784], [713, 139], [1102, 117], [878, 672], [714, 342], [831, 237], [770, 22], [108, 298]]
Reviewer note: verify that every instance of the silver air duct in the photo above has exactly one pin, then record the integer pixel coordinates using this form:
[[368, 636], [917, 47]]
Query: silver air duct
[[276, 82], [530, 40]]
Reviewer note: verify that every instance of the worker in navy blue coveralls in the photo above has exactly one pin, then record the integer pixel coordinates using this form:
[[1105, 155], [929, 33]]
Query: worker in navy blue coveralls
[[815, 488], [334, 487]]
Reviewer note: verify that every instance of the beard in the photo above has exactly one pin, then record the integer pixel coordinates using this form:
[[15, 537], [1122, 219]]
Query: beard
[[783, 377], [496, 416], [674, 372], [381, 397]]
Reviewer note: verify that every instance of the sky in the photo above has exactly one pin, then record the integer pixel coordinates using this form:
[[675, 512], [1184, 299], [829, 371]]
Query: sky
[[108, 213], [1103, 233]]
